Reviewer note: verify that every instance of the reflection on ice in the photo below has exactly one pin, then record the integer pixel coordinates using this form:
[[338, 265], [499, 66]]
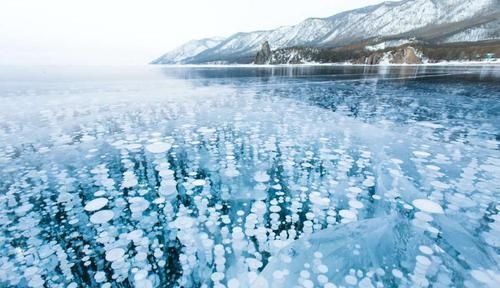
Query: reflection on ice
[[219, 182]]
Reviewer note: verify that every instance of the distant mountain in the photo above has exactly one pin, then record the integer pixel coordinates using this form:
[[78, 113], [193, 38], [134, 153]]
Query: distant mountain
[[187, 50], [388, 23]]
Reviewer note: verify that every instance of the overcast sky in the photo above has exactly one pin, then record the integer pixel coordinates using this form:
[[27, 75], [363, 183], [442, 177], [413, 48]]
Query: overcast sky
[[103, 32]]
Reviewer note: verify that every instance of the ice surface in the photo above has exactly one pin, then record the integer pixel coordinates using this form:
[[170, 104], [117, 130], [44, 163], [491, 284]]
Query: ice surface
[[240, 177]]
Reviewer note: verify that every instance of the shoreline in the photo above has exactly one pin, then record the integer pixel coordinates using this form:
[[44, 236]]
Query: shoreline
[[473, 64]]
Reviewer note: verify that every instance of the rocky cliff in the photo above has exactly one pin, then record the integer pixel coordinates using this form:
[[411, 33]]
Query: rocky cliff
[[264, 56], [400, 55]]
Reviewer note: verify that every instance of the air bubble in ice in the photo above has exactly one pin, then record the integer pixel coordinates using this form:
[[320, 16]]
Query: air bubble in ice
[[96, 204], [101, 217], [115, 254], [428, 206], [158, 147]]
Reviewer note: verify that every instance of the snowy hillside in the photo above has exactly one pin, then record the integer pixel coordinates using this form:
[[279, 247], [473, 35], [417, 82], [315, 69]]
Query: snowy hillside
[[187, 50], [382, 20], [486, 31]]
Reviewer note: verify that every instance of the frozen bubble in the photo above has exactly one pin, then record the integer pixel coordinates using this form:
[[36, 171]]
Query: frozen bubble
[[397, 273], [133, 146], [140, 274], [439, 185], [322, 268], [277, 187], [355, 190], [322, 279], [492, 279], [433, 230], [261, 176], [138, 204], [259, 207], [428, 206], [99, 193], [421, 154], [280, 243], [356, 204], [199, 182], [275, 209], [231, 172], [135, 235], [433, 167], [397, 161], [307, 283], [316, 199], [184, 222], [407, 206], [305, 274], [217, 276], [425, 249], [115, 254], [129, 181], [96, 204], [347, 214], [368, 183], [351, 280], [158, 147], [100, 277], [144, 283], [423, 260], [102, 216], [365, 283], [253, 263], [423, 216], [310, 215]]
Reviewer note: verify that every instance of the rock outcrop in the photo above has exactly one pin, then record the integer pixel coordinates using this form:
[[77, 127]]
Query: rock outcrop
[[400, 55], [265, 54], [405, 55]]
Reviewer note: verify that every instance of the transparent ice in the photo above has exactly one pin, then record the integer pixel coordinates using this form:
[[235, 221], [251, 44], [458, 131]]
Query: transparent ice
[[250, 177]]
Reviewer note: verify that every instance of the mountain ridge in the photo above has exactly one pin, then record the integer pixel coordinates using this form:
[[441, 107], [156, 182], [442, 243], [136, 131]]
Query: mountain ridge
[[386, 20]]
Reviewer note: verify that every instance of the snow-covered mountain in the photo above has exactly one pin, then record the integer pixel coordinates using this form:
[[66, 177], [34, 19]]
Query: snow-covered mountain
[[453, 19], [188, 50], [486, 31]]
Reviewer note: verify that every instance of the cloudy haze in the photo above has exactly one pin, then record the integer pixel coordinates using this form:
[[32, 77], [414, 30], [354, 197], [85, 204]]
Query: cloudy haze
[[92, 32]]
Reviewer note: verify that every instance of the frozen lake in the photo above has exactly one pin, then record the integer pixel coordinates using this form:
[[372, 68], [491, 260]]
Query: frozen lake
[[326, 176]]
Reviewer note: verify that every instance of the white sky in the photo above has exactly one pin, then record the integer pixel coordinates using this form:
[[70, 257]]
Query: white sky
[[103, 32]]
